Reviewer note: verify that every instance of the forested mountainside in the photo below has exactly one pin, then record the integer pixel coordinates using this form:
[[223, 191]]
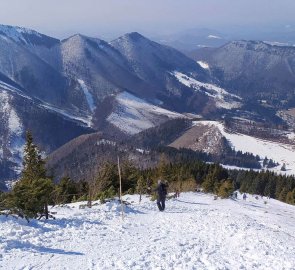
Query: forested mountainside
[[61, 89]]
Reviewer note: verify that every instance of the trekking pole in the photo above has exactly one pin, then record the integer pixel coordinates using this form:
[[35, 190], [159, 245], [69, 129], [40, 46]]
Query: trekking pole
[[120, 179]]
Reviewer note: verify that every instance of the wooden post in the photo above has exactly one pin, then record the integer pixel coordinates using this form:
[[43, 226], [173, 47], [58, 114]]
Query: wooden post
[[120, 179], [46, 210]]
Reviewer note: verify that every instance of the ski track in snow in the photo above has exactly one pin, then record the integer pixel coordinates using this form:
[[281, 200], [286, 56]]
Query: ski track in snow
[[195, 232]]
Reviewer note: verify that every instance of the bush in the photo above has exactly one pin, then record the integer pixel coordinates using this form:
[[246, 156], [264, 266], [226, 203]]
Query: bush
[[107, 194], [226, 189]]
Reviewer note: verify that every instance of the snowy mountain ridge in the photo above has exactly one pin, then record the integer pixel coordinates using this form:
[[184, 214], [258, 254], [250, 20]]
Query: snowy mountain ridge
[[17, 33]]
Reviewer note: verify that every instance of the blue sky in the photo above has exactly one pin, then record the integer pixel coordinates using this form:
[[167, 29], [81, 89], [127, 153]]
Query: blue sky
[[61, 18]]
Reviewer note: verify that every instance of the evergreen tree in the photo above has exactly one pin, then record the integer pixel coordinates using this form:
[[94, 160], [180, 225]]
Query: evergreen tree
[[283, 195], [65, 191], [140, 188], [32, 193], [163, 168], [209, 183], [226, 189], [290, 198]]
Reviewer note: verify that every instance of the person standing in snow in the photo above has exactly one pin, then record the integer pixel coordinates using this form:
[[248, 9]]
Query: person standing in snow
[[244, 197], [161, 195]]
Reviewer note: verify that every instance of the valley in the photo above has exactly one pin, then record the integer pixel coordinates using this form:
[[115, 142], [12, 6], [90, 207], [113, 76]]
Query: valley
[[61, 89]]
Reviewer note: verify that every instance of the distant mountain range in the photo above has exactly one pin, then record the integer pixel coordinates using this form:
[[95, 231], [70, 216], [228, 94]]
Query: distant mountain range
[[196, 38], [60, 89], [253, 69]]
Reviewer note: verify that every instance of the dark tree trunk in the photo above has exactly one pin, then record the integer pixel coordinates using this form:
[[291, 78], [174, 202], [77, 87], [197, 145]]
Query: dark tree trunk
[[46, 210]]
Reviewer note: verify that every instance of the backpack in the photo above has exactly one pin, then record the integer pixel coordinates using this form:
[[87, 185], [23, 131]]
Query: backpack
[[164, 189]]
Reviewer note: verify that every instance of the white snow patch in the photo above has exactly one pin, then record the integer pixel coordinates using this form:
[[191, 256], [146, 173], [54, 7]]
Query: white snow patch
[[194, 232], [203, 64], [279, 152], [85, 120], [214, 37], [88, 95], [105, 142], [17, 33], [222, 98], [142, 151], [134, 115], [291, 136], [279, 44], [13, 89], [13, 139]]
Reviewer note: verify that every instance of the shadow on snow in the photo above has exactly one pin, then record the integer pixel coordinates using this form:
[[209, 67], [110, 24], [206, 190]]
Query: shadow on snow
[[15, 244]]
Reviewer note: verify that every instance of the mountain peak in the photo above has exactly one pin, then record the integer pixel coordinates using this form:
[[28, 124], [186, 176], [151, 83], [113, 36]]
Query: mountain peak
[[134, 36], [27, 36], [16, 30]]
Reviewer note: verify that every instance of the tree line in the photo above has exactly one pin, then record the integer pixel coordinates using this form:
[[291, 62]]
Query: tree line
[[35, 190]]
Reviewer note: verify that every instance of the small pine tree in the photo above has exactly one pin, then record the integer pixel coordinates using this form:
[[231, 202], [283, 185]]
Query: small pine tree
[[31, 194], [65, 191], [283, 195], [290, 198], [226, 189], [140, 187], [265, 162], [163, 168], [209, 183]]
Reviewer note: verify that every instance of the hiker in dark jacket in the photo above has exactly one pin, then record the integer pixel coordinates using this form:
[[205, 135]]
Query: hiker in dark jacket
[[161, 195]]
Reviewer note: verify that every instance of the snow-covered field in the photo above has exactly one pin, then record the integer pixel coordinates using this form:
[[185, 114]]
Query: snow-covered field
[[279, 152], [195, 232]]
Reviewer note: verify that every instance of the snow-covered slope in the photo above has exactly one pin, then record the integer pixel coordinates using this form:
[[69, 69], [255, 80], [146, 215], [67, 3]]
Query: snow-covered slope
[[18, 34], [203, 64], [11, 139], [28, 38], [194, 232], [222, 98], [279, 152], [133, 114]]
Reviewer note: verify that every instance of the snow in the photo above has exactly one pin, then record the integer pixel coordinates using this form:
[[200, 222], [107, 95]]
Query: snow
[[88, 95], [291, 136], [203, 64], [222, 98], [194, 232], [279, 152], [84, 120], [277, 43], [16, 33], [106, 142], [134, 115], [14, 131], [13, 89], [214, 37]]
